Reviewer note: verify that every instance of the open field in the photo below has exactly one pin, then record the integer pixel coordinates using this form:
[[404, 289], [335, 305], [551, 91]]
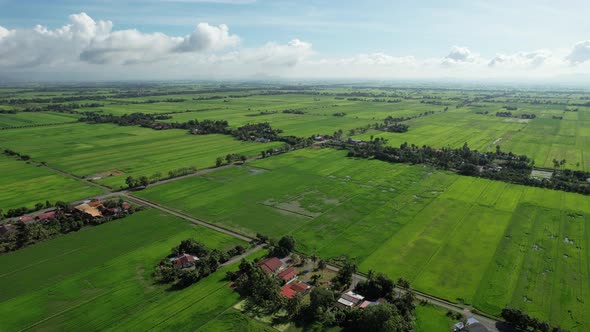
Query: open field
[[38, 118], [430, 318], [100, 150], [78, 281], [25, 184], [451, 236]]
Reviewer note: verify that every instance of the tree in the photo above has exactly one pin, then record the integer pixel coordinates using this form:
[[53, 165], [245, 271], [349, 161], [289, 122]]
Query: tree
[[130, 181], [321, 298], [296, 259], [143, 181], [322, 264], [293, 307], [243, 158], [314, 279], [219, 161], [285, 246]]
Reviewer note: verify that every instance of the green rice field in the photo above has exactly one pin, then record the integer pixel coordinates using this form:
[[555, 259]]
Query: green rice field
[[32, 119], [80, 281], [111, 153], [25, 184], [474, 241]]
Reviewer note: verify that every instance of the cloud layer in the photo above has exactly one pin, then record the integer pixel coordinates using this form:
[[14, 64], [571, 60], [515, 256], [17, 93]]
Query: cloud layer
[[91, 49]]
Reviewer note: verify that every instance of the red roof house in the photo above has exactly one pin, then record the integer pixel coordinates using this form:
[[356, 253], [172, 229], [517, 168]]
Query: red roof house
[[288, 274], [25, 218], [270, 265], [45, 216], [288, 292], [300, 287], [184, 261]]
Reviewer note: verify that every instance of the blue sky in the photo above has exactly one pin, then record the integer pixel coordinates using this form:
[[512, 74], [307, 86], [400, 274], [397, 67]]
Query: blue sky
[[339, 29]]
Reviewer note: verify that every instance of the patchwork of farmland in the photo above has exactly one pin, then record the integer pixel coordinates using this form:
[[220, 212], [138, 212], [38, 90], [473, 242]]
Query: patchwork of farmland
[[112, 153], [470, 240], [25, 184], [485, 244], [80, 281]]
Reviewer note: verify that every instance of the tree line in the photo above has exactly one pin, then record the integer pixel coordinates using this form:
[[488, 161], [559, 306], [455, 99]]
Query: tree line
[[66, 219], [498, 165]]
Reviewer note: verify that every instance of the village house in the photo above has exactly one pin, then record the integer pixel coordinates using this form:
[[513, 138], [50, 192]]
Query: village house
[[295, 289], [472, 325], [270, 265], [91, 208], [288, 274], [45, 216], [184, 261], [350, 299]]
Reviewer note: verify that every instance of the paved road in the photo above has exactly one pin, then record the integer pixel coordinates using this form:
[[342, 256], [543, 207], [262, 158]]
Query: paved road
[[244, 255]]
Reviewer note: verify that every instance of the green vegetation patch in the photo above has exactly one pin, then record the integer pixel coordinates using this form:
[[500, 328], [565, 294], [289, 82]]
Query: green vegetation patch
[[25, 184], [100, 278]]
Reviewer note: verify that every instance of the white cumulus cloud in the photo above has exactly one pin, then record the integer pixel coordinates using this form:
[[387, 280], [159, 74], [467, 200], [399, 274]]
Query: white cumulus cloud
[[580, 52]]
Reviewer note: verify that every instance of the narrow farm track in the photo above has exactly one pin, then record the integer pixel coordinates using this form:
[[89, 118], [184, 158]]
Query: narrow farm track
[[187, 217]]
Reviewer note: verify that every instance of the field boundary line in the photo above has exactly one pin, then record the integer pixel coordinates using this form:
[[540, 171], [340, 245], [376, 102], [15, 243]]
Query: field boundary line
[[191, 219]]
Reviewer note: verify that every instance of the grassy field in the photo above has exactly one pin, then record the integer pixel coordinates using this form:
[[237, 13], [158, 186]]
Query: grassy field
[[79, 281], [451, 236], [31, 119], [430, 319], [100, 150], [24, 184]]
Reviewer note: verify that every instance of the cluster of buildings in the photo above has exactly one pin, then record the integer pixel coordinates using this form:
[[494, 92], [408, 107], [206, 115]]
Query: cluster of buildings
[[95, 209], [292, 287]]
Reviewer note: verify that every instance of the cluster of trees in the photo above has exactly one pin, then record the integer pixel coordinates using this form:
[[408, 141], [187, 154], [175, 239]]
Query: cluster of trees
[[256, 131], [11, 153], [17, 212], [263, 113], [504, 114], [510, 108], [567, 109], [133, 119], [153, 101], [498, 165], [509, 115], [230, 158], [525, 322], [340, 114], [144, 181], [66, 220], [209, 261], [207, 127], [293, 112], [397, 128], [556, 117]]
